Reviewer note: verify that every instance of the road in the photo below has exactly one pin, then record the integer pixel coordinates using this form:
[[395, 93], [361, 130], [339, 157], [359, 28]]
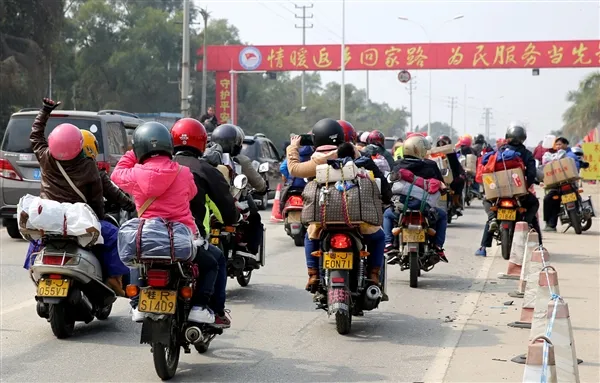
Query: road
[[277, 335]]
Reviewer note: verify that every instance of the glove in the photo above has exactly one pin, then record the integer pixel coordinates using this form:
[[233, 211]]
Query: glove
[[49, 105]]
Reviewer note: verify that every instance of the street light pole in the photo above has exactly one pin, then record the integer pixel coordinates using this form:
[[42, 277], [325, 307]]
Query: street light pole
[[343, 70], [430, 71], [205, 15], [185, 61], [232, 74]]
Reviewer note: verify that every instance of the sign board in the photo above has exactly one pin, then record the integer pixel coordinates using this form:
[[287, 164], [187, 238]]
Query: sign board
[[591, 154], [403, 76]]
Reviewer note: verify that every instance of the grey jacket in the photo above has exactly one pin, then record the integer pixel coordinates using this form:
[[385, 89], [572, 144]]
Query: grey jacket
[[254, 178]]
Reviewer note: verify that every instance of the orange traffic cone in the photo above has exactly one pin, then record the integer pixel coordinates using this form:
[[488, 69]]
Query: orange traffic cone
[[276, 210], [516, 252]]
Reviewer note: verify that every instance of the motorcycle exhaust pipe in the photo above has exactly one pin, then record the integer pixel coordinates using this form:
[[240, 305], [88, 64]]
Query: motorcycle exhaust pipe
[[373, 293], [193, 335]]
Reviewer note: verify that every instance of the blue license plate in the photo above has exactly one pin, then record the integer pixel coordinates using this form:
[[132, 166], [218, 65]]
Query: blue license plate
[[37, 174]]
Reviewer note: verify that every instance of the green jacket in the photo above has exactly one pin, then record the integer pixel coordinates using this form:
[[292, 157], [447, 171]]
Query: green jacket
[[211, 208], [399, 153]]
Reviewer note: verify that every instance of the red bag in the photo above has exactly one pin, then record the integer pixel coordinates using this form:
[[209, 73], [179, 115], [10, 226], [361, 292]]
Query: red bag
[[496, 166], [431, 186], [479, 173]]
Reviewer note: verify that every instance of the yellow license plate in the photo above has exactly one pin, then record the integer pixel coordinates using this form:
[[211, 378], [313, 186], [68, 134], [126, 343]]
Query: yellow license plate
[[413, 236], [338, 261], [157, 301], [214, 241], [53, 288], [566, 198], [215, 232], [444, 197], [507, 215]]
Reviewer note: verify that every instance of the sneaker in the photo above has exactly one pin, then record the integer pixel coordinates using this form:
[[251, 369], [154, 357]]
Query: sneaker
[[223, 321], [200, 314], [388, 248], [493, 225], [550, 229], [137, 316], [481, 252], [393, 259], [440, 252]]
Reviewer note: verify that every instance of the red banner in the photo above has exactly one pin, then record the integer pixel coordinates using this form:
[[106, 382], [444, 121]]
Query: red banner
[[495, 55]]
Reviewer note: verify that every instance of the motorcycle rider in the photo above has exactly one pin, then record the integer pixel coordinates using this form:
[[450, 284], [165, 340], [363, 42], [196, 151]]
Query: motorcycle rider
[[514, 139], [458, 174], [189, 142], [376, 146], [415, 150], [69, 176], [328, 135], [551, 205], [361, 142], [397, 149], [479, 144], [165, 188], [230, 138]]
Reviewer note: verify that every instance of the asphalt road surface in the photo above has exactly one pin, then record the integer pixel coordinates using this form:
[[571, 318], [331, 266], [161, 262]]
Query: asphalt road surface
[[276, 334]]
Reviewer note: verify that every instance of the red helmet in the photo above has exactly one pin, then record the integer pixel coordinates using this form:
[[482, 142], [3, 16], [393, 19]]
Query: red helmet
[[189, 132], [465, 141], [376, 138], [349, 131]]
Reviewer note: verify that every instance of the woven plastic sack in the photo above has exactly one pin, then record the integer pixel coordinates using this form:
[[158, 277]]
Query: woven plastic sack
[[155, 241], [404, 188]]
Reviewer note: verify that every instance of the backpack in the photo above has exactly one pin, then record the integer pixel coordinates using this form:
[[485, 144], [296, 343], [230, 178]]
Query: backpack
[[381, 163], [502, 159]]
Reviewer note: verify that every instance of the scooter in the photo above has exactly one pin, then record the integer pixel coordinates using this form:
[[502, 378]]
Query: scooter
[[261, 200], [292, 211]]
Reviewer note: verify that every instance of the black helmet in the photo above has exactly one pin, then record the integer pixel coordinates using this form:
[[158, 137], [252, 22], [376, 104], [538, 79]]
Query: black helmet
[[443, 140], [479, 139], [515, 134], [230, 137], [328, 132], [151, 138]]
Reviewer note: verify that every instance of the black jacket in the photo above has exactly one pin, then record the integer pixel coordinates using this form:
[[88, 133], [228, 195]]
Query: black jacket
[[372, 150], [212, 119], [528, 159], [211, 182], [422, 168], [369, 164]]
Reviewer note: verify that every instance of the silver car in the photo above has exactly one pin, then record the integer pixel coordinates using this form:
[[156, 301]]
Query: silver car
[[19, 169]]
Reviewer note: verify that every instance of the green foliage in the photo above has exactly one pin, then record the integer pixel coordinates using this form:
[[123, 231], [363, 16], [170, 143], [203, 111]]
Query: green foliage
[[584, 113], [440, 129]]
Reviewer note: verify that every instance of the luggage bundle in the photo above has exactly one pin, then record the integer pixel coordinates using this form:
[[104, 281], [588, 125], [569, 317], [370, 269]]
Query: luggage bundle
[[502, 175], [418, 188]]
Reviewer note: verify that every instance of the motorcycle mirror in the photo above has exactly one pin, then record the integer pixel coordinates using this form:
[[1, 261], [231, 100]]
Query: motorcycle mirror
[[240, 181], [264, 167]]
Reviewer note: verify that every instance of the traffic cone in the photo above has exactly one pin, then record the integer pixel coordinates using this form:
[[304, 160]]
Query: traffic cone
[[567, 369], [539, 259], [531, 244], [516, 252], [535, 369], [276, 210]]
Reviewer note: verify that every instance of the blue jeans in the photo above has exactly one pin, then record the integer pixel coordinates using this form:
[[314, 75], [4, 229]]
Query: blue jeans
[[217, 303], [390, 218], [375, 244]]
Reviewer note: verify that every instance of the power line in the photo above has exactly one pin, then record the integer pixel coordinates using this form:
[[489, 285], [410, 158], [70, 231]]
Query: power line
[[453, 104]]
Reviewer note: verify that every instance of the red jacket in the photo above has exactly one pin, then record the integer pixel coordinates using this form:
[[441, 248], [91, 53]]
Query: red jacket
[[538, 152]]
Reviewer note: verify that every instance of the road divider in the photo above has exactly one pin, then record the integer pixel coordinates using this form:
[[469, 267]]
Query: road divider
[[516, 252]]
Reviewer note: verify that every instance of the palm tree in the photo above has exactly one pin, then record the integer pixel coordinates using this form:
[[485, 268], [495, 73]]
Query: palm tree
[[584, 114]]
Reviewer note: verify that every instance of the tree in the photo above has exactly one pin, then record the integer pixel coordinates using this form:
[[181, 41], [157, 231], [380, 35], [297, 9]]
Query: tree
[[440, 129], [584, 113]]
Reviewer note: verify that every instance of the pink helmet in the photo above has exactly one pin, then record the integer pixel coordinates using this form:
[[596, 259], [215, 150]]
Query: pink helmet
[[65, 142]]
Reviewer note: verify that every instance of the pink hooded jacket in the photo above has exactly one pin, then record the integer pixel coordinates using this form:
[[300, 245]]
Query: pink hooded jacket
[[158, 177]]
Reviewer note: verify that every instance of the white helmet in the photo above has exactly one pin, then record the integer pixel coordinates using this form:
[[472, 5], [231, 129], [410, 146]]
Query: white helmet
[[577, 151]]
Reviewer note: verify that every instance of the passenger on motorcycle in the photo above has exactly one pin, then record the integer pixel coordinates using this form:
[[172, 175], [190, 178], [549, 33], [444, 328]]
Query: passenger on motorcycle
[[361, 142], [551, 205], [69, 176], [415, 150], [479, 144], [458, 174], [328, 135], [376, 148], [189, 141], [231, 138], [165, 189], [514, 140]]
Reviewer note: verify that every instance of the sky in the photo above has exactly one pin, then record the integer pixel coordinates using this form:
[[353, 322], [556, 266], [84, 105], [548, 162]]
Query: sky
[[513, 94]]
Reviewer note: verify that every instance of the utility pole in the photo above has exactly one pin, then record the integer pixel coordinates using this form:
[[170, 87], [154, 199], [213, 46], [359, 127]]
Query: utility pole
[[487, 116], [465, 107], [304, 27], [453, 102], [205, 14], [411, 88], [185, 61], [343, 69]]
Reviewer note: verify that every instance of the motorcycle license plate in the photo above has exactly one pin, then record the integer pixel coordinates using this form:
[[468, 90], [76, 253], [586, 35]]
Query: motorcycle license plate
[[56, 288], [215, 232], [444, 197], [157, 301], [214, 241], [567, 198], [507, 215], [413, 236], [337, 261]]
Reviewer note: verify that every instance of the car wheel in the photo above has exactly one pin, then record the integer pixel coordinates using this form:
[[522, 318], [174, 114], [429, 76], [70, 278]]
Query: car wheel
[[12, 228]]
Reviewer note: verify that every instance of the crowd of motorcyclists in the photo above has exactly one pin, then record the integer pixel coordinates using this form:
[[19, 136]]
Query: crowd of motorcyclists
[[180, 176]]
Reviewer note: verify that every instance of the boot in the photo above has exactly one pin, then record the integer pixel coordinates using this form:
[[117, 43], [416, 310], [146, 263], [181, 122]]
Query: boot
[[313, 279], [116, 284], [456, 201], [374, 275]]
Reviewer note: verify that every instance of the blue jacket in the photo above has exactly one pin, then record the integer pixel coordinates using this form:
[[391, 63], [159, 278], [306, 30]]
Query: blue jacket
[[572, 155], [305, 153]]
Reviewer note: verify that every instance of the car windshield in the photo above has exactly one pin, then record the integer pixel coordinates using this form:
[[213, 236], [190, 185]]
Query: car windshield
[[389, 143], [16, 138], [249, 149]]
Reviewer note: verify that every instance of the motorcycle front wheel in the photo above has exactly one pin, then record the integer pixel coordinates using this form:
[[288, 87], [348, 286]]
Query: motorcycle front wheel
[[244, 278], [166, 357]]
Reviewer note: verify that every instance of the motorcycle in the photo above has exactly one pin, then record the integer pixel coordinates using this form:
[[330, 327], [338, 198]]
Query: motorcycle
[[344, 289], [413, 242], [166, 301], [508, 212], [574, 210], [261, 200], [469, 194], [292, 211], [240, 263]]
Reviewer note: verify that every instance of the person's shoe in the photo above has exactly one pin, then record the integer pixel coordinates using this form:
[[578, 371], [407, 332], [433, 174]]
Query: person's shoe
[[459, 212], [384, 297], [116, 284], [200, 314], [137, 316], [388, 248], [440, 252], [223, 321], [493, 226], [549, 228], [313, 279], [481, 252]]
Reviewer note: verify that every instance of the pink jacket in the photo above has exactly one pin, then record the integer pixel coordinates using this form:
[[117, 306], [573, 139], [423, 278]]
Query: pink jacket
[[158, 177]]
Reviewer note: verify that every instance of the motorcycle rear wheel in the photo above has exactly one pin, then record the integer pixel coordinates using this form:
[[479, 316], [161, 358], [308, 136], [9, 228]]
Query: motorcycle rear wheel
[[343, 322], [506, 243], [62, 326], [575, 221], [415, 270], [166, 357], [299, 240]]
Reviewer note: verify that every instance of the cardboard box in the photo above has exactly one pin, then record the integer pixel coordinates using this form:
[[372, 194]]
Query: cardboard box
[[471, 163], [559, 171], [443, 149], [504, 184], [442, 163]]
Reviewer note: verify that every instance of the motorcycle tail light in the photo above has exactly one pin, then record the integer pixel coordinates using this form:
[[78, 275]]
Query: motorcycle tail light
[[55, 276], [507, 203], [55, 260], [412, 219], [340, 241], [157, 278], [566, 188], [295, 201], [337, 280]]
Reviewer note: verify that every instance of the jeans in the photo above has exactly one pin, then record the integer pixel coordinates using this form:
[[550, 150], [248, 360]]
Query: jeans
[[440, 225], [217, 302], [375, 244], [529, 201]]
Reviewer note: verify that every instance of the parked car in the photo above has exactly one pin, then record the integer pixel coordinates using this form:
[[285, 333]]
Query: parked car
[[19, 169], [260, 149], [389, 143]]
